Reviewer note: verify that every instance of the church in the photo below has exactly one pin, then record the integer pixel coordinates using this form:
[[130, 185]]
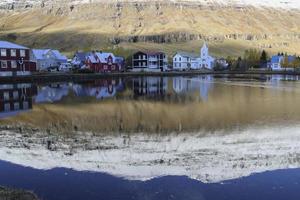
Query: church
[[183, 61]]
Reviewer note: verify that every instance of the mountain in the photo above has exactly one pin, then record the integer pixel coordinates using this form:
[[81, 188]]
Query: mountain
[[229, 27]]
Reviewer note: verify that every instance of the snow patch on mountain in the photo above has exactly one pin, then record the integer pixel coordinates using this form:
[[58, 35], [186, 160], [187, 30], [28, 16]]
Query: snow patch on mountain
[[289, 4]]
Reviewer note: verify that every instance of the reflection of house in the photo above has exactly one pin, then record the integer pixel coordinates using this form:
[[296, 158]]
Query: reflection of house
[[185, 61], [149, 61], [15, 60], [100, 89], [183, 85], [52, 93], [48, 58], [153, 87], [16, 98]]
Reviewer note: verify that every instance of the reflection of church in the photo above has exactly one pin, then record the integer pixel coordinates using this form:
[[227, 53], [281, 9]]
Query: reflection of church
[[184, 85], [150, 87], [15, 98]]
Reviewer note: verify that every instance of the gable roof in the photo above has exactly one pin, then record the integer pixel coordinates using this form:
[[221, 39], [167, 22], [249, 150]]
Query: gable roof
[[186, 54], [59, 56], [9, 45], [39, 54], [81, 56], [150, 53], [102, 56], [277, 59]]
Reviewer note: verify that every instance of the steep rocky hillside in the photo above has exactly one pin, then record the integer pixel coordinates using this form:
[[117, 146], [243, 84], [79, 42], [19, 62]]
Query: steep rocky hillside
[[228, 26]]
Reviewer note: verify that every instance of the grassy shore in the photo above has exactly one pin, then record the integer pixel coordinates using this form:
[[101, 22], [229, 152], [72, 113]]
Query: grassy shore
[[52, 77], [11, 194]]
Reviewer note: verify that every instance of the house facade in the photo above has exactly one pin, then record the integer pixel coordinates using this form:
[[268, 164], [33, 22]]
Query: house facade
[[188, 61], [149, 61], [276, 62], [48, 59], [183, 61], [15, 60], [79, 59], [101, 62]]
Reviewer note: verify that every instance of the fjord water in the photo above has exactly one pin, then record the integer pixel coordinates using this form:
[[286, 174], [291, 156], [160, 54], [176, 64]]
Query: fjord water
[[198, 137]]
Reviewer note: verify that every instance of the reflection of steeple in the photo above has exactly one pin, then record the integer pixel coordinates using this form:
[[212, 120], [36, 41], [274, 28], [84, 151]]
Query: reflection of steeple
[[205, 86], [183, 85]]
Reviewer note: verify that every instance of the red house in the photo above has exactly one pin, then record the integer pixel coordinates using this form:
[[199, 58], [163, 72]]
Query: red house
[[15, 60], [100, 62]]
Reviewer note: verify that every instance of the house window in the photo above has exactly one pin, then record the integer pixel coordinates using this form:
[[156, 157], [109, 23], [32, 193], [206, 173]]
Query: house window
[[15, 95], [25, 105], [13, 53], [3, 52], [16, 106], [144, 56], [6, 96], [7, 107], [13, 64], [3, 64], [22, 53]]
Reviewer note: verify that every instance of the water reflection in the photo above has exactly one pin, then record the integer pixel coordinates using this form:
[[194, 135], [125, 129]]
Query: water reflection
[[203, 84], [66, 184], [149, 87], [16, 98]]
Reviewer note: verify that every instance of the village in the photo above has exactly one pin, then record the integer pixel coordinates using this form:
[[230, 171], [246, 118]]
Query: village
[[18, 60]]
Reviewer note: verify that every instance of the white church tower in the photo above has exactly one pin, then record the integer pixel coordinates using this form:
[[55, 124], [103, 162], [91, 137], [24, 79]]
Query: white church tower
[[205, 60]]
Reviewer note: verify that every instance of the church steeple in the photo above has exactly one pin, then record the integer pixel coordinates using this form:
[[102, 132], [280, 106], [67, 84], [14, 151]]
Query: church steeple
[[204, 51]]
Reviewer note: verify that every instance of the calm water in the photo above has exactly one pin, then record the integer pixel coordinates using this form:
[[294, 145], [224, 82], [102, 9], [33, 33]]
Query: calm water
[[220, 138], [66, 184]]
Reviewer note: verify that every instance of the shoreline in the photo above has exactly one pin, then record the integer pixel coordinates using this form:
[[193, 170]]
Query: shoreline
[[56, 77], [9, 193]]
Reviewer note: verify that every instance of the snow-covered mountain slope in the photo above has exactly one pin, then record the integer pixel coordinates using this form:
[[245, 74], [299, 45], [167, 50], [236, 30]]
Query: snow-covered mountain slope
[[256, 3], [214, 158]]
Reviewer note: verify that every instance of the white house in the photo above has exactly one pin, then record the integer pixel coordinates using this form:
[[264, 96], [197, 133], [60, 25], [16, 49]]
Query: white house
[[185, 61], [48, 58]]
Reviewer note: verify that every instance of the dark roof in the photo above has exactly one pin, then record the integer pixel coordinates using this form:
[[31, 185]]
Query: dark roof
[[81, 55], [151, 53]]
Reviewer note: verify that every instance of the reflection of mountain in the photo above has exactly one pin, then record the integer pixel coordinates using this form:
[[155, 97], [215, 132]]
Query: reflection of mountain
[[52, 93], [150, 87], [185, 85], [15, 98], [142, 157]]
